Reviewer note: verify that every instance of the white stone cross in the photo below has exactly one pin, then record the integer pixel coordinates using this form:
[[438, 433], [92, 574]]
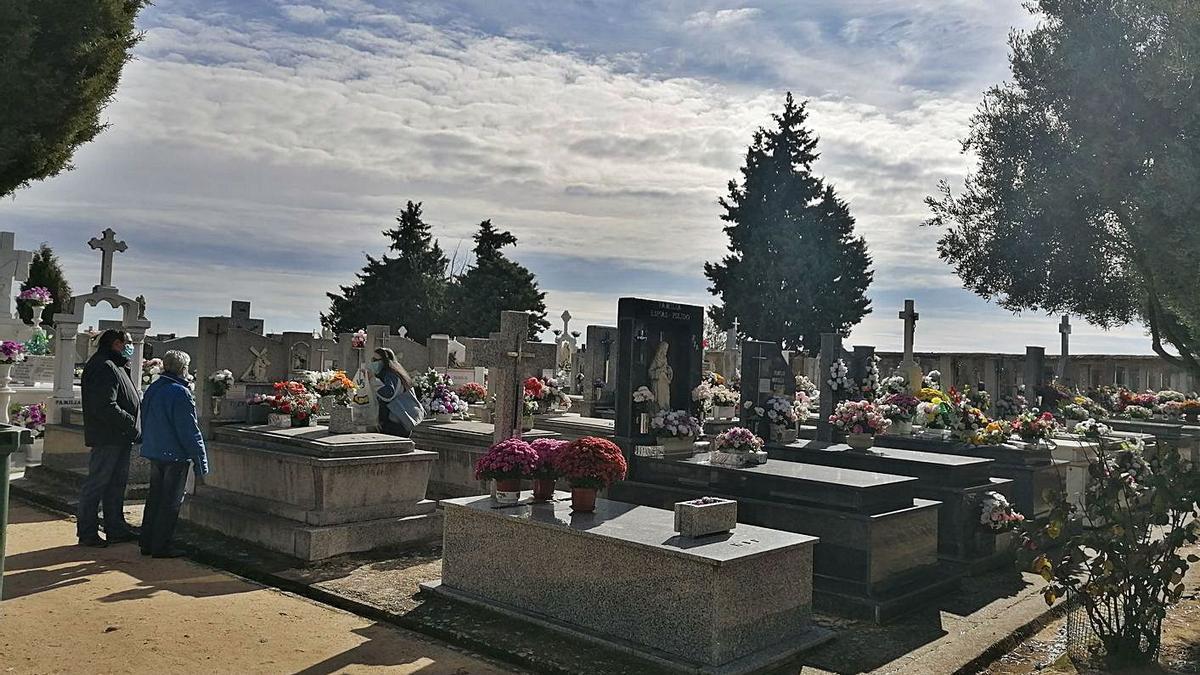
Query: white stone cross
[[566, 319], [108, 246], [1065, 329], [507, 363], [14, 266], [910, 316]]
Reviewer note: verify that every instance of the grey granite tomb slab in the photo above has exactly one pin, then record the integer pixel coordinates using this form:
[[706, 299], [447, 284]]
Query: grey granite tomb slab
[[729, 603]]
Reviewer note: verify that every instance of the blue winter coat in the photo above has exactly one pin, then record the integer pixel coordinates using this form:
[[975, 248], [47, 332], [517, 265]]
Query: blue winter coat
[[170, 431]]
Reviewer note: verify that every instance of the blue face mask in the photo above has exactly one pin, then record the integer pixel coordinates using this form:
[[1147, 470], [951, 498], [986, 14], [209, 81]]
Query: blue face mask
[[127, 352], [376, 367]]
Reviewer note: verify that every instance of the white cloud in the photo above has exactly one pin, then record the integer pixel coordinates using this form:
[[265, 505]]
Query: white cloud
[[721, 18], [304, 13]]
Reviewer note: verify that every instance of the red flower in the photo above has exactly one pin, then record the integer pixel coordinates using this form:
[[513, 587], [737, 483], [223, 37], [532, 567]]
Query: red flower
[[592, 462], [534, 388]]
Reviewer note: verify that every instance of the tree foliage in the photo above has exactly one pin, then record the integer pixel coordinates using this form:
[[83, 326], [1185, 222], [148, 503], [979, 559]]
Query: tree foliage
[[406, 289], [45, 271], [1086, 195], [493, 284], [59, 66], [795, 268]]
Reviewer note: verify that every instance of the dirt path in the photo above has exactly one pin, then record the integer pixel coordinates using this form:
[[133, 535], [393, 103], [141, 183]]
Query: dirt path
[[68, 609]]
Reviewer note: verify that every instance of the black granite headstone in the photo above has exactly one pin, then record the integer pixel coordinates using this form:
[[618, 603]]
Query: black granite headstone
[[765, 373], [642, 327]]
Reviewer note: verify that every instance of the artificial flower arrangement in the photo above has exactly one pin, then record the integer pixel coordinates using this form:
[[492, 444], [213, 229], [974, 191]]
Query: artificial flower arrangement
[[1171, 396], [997, 514], [968, 420], [38, 343], [929, 393], [338, 385], [643, 398], [358, 340], [994, 432], [702, 394], [932, 380], [802, 407], [896, 384], [780, 411], [219, 382], [936, 413], [293, 399], [424, 383], [1172, 408], [151, 370], [1126, 398], [443, 401], [1073, 411], [858, 417], [36, 296], [900, 407], [472, 393], [839, 376], [1137, 412], [32, 417], [870, 382], [547, 395], [1092, 429], [675, 424], [725, 397], [737, 446], [978, 398], [11, 352], [805, 385], [1032, 427]]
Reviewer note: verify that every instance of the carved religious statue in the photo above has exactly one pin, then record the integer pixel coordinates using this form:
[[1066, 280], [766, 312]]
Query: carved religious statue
[[257, 370], [661, 375], [141, 303]]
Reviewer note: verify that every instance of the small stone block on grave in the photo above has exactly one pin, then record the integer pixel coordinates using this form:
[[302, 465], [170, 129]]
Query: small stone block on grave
[[621, 577], [705, 516]]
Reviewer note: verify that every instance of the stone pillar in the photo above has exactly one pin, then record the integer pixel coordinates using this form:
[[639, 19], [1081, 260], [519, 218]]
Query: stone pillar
[[831, 350], [1035, 360], [64, 367]]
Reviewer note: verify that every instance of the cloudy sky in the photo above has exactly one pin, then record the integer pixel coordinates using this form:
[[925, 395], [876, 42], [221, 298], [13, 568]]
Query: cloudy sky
[[258, 148]]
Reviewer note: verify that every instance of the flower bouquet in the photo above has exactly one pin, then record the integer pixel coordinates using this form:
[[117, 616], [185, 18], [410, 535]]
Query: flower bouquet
[[896, 384], [997, 514], [36, 296], [995, 432], [338, 385], [702, 397], [151, 370], [676, 430], [968, 420], [1033, 428], [291, 405], [1172, 409], [472, 393], [11, 352], [860, 421], [358, 340], [737, 447], [839, 376], [1009, 406], [1072, 413], [506, 463], [219, 383], [546, 472], [724, 402], [424, 383], [444, 404], [780, 413], [1191, 410], [1171, 396], [900, 409], [1137, 412], [32, 417], [590, 463], [1091, 429]]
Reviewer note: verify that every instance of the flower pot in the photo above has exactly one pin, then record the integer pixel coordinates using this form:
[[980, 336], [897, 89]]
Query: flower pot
[[724, 412], [860, 442], [583, 499], [341, 420], [279, 421], [901, 428], [326, 404], [443, 418], [478, 411], [527, 423], [33, 453], [543, 489], [782, 434], [508, 490], [36, 312], [677, 445], [298, 422], [699, 520]]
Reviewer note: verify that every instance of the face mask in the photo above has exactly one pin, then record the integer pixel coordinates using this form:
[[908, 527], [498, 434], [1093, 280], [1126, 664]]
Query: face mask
[[376, 367], [127, 352]]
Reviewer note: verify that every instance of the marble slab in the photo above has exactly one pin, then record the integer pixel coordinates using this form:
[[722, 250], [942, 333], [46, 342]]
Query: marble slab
[[930, 468], [314, 440]]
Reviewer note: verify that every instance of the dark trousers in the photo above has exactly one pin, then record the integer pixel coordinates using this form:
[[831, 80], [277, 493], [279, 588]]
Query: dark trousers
[[108, 474], [387, 426], [167, 482]]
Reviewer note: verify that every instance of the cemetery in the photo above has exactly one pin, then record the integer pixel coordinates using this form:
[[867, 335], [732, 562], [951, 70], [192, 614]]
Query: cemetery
[[657, 432]]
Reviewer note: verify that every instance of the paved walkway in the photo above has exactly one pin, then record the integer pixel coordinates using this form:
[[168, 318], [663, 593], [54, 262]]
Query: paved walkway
[[68, 609]]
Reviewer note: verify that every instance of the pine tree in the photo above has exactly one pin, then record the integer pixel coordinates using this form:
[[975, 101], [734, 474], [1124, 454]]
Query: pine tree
[[45, 271], [492, 285], [795, 269], [407, 289]]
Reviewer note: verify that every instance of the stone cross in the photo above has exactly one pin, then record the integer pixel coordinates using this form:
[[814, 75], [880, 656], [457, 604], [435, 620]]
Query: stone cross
[[1063, 367], [508, 364], [108, 246], [909, 368], [566, 319], [831, 351], [14, 266]]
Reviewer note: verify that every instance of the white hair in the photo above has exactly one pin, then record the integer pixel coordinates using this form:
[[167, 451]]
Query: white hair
[[176, 362]]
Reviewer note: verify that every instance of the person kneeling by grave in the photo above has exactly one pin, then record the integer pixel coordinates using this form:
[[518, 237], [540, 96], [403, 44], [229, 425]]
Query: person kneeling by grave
[[172, 441], [110, 428]]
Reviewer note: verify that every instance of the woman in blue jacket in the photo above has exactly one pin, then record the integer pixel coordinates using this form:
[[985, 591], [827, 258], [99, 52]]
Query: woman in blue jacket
[[172, 441]]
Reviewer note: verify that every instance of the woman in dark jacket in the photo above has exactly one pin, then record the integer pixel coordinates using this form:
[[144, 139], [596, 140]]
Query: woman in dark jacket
[[172, 441], [392, 383]]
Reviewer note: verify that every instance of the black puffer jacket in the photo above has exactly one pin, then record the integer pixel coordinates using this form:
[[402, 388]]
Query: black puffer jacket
[[110, 401]]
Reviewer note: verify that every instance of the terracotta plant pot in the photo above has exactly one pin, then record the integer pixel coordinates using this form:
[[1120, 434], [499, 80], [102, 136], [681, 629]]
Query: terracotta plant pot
[[543, 489], [508, 490], [583, 499]]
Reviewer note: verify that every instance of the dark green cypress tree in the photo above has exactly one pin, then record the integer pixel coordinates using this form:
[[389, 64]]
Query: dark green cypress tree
[[407, 289], [45, 271], [795, 268], [494, 283]]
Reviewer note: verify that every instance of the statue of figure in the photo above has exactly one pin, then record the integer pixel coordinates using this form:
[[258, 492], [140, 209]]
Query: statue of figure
[[564, 356], [141, 303], [257, 370], [661, 375]]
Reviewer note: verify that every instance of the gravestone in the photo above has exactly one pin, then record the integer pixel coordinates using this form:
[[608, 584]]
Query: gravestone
[[14, 268], [1035, 374], [601, 369], [509, 362], [1064, 359], [765, 373], [239, 317], [662, 336], [438, 346], [909, 369], [831, 351], [732, 359]]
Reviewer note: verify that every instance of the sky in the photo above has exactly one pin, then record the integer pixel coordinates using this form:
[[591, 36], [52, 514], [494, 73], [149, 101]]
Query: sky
[[258, 148]]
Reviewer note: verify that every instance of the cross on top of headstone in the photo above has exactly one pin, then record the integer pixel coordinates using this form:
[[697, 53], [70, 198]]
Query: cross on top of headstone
[[910, 316], [14, 266], [402, 331], [566, 319], [108, 246], [1065, 326], [507, 363], [1063, 371]]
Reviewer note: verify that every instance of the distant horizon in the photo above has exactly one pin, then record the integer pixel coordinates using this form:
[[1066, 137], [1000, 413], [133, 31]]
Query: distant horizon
[[257, 149]]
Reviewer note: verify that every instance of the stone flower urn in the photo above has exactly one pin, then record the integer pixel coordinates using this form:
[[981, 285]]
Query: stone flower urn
[[860, 442]]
